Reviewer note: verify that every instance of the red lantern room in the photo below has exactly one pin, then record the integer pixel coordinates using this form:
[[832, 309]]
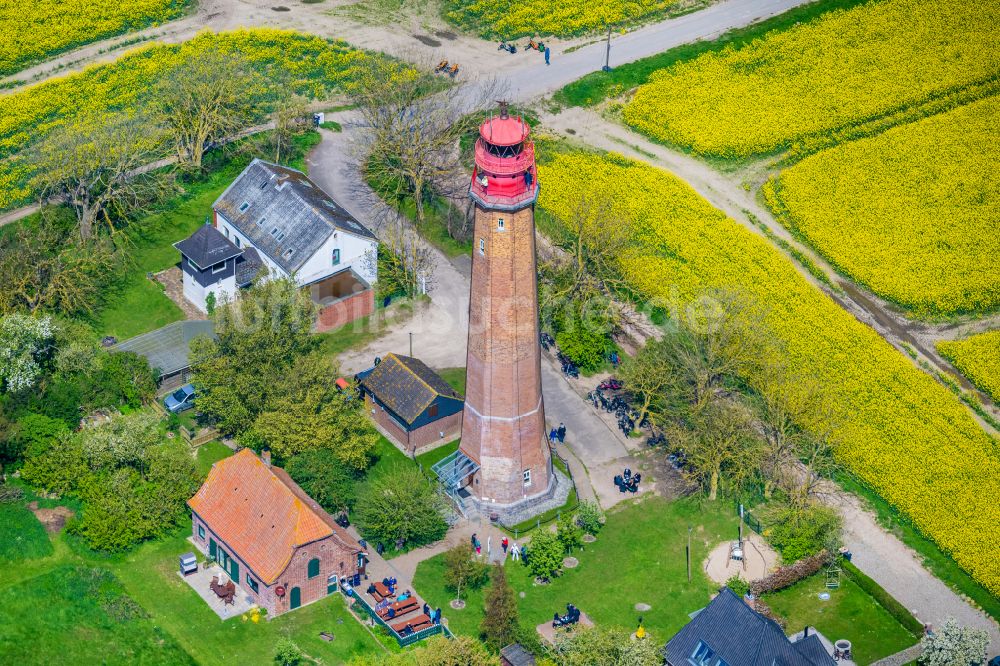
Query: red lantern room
[[504, 177]]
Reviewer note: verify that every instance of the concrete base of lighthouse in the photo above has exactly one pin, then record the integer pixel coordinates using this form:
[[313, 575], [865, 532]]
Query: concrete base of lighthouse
[[553, 497]]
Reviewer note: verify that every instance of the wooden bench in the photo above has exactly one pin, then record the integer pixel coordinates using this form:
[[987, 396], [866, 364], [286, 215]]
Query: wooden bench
[[400, 607], [417, 623]]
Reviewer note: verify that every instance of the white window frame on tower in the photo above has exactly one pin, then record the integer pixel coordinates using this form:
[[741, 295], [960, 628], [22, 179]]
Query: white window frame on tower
[[482, 246], [500, 226], [526, 476]]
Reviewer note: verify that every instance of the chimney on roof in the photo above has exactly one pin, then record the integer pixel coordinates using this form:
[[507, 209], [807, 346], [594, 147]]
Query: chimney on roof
[[265, 455]]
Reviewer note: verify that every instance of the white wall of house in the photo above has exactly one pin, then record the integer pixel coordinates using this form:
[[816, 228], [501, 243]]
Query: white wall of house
[[352, 255], [196, 294]]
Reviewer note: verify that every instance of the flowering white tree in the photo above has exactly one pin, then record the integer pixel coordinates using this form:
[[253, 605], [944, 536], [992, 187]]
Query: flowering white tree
[[24, 342], [954, 645]]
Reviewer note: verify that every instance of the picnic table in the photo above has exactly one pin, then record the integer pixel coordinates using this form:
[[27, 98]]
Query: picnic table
[[382, 592], [400, 608], [417, 623], [225, 592]]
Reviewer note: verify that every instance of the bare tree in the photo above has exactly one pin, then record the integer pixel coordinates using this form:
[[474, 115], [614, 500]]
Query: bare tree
[[410, 134], [290, 118], [404, 263], [648, 376], [205, 100], [100, 167]]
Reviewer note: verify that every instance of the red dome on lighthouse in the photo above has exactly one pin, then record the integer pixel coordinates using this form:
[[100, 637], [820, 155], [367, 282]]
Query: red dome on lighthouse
[[504, 177]]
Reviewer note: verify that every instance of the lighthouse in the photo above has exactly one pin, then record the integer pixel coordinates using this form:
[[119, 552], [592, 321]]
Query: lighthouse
[[503, 426]]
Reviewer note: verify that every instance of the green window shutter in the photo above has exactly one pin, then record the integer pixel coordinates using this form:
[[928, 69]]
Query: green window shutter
[[313, 569], [212, 548]]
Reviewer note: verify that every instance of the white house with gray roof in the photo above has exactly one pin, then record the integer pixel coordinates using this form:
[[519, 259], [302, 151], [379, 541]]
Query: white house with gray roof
[[274, 217]]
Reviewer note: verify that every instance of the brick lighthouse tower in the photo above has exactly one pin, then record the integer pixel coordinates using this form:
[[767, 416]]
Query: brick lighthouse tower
[[503, 427]]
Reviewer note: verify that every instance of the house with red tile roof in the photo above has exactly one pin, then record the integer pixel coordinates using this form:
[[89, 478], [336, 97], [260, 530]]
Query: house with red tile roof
[[272, 539]]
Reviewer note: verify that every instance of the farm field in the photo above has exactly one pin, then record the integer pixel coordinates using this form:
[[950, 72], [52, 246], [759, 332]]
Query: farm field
[[910, 213], [40, 29], [902, 433], [506, 20], [843, 69], [308, 65], [978, 358]]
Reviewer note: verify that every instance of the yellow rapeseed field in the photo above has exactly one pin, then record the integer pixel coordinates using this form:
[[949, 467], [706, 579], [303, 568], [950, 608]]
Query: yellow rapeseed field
[[978, 358], [37, 29], [911, 213], [902, 432], [309, 65], [503, 19], [842, 69]]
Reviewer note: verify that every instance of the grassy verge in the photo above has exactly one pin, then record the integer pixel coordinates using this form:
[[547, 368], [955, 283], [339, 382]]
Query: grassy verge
[[638, 558], [850, 613], [22, 536], [937, 561], [594, 88], [208, 454]]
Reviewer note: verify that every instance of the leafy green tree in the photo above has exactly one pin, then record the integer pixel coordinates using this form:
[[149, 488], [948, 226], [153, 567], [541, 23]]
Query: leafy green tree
[[589, 517], [123, 378], [954, 645], [800, 530], [260, 336], [306, 411], [122, 442], [30, 432], [500, 624], [401, 505], [461, 569], [324, 478], [545, 555], [58, 465], [569, 533], [287, 653], [608, 647], [26, 345]]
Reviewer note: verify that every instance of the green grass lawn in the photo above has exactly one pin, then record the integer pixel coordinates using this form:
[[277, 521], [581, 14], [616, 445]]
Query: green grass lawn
[[850, 613], [79, 615], [177, 615], [360, 332], [548, 517], [22, 537], [208, 454], [594, 88], [455, 378], [638, 557]]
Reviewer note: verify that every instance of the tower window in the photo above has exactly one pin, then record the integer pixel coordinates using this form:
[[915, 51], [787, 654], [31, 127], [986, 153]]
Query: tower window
[[527, 477], [499, 224], [482, 246]]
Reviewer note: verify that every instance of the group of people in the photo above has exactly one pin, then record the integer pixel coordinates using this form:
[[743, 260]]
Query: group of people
[[558, 434], [628, 482], [572, 616], [516, 552]]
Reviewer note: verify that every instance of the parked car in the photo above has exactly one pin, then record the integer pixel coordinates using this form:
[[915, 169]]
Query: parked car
[[180, 400]]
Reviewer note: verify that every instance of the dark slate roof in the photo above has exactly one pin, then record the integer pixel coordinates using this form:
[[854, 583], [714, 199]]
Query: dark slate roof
[[812, 647], [283, 213], [517, 655], [167, 348], [406, 386], [207, 247], [741, 637], [248, 267]]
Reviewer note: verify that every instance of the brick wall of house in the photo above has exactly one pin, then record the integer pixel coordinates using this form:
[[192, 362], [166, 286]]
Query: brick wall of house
[[346, 310], [385, 420], [334, 559], [427, 436]]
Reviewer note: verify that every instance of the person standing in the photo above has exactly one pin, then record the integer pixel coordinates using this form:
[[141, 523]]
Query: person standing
[[515, 552], [553, 435], [505, 544], [561, 432], [548, 53]]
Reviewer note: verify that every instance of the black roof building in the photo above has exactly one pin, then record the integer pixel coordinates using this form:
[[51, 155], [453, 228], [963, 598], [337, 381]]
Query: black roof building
[[728, 632], [284, 214], [406, 386], [207, 247]]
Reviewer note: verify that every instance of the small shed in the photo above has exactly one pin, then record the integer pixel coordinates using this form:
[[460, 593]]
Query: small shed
[[411, 403], [168, 349]]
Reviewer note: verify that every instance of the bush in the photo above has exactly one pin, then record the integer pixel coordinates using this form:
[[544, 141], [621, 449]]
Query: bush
[[545, 555], [287, 653], [569, 533], [589, 517], [401, 505], [799, 532], [886, 600], [789, 575], [738, 585]]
